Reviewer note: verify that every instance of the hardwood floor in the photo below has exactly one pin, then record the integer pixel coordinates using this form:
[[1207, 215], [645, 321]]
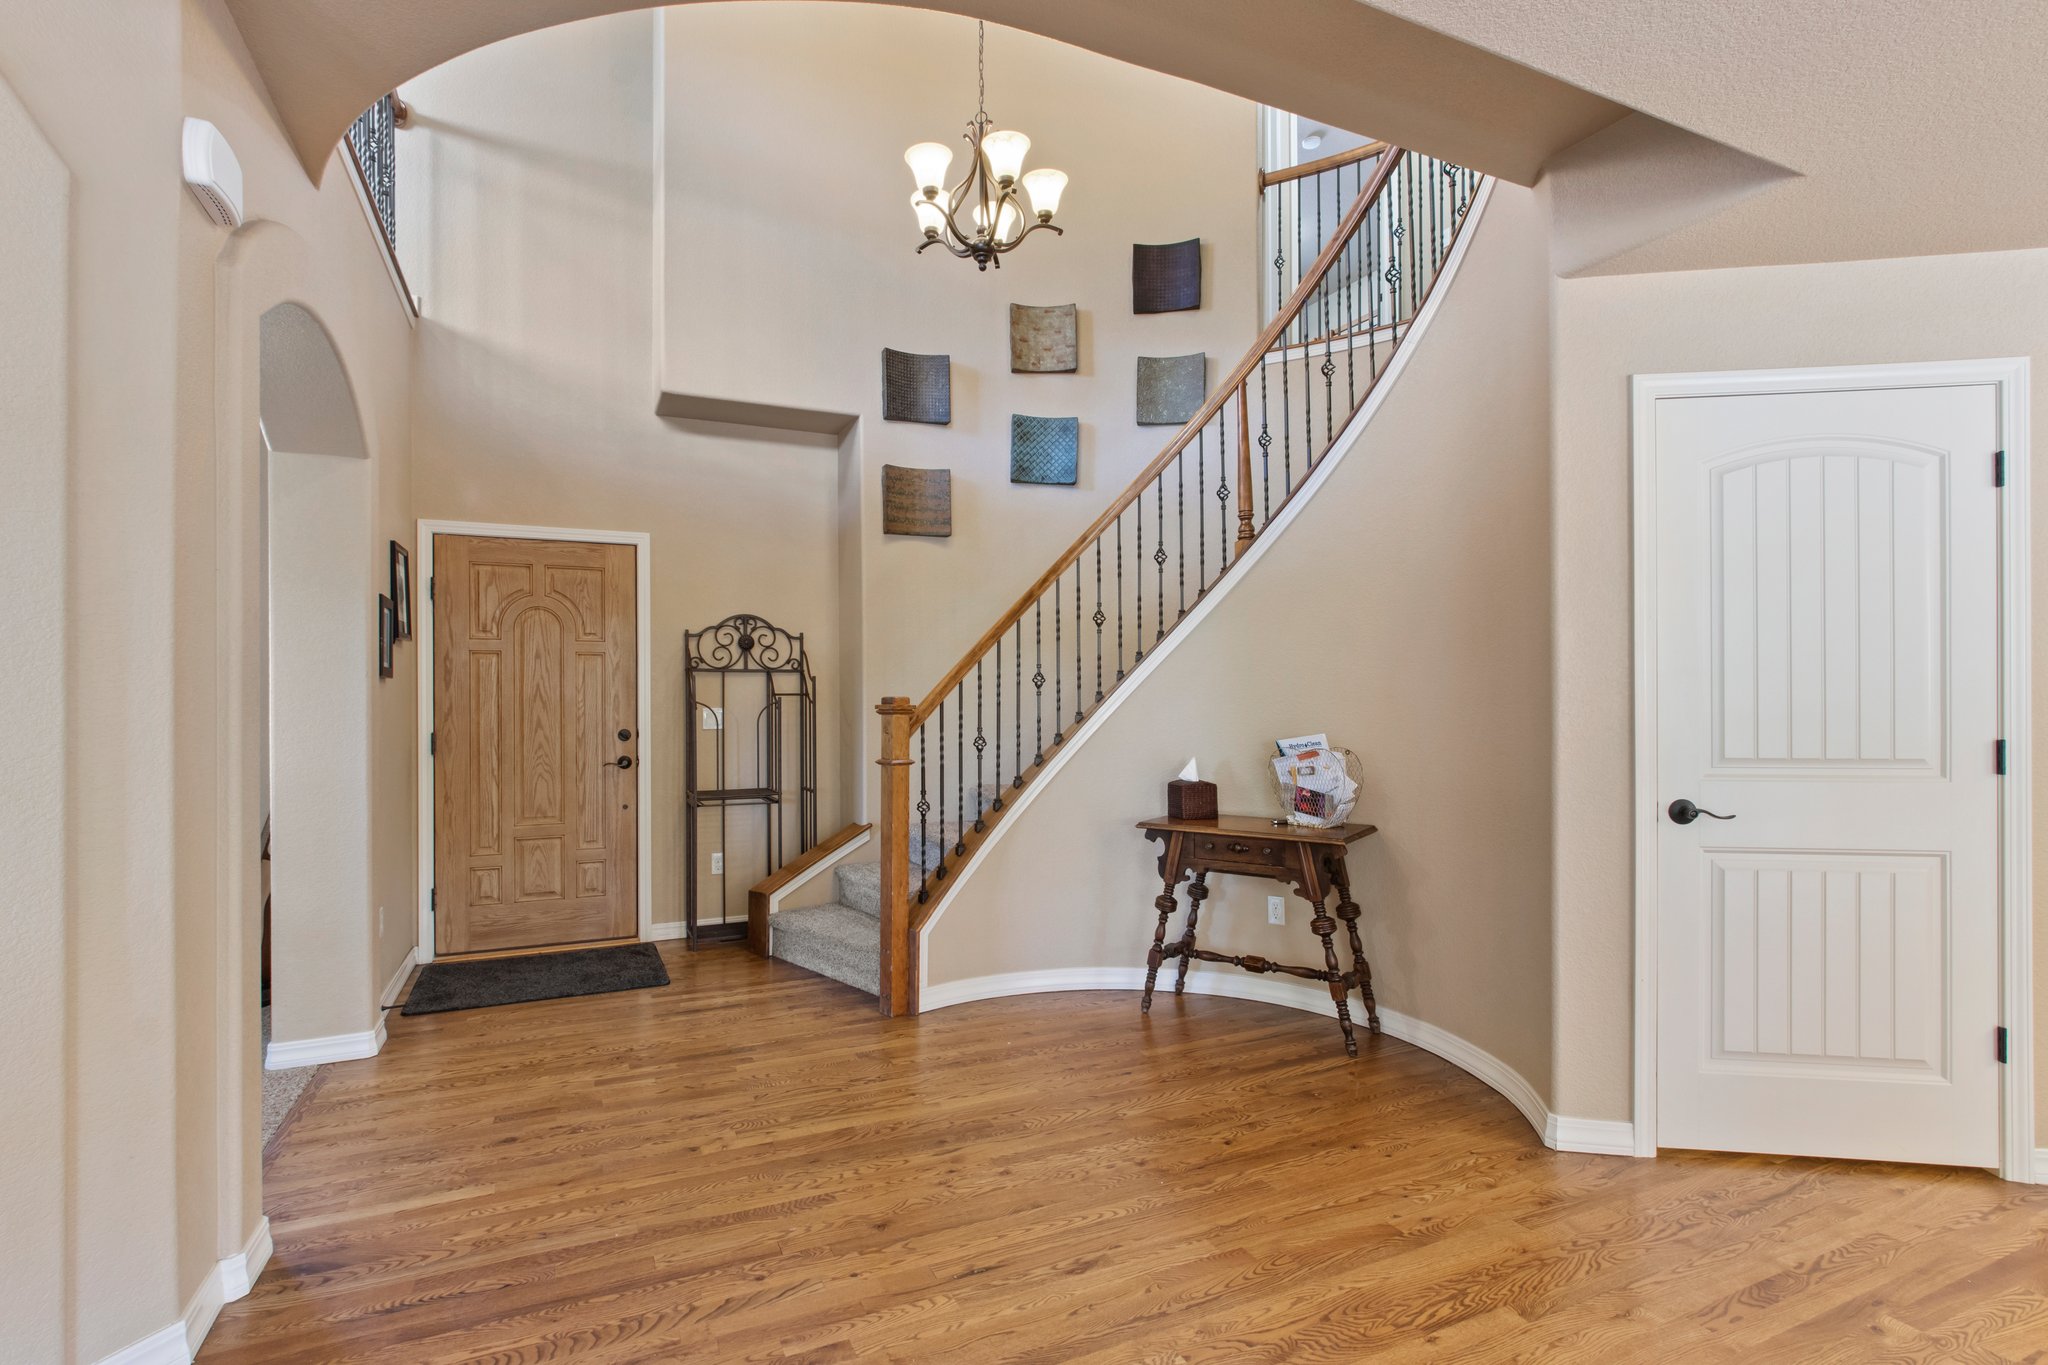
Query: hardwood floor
[[752, 1165]]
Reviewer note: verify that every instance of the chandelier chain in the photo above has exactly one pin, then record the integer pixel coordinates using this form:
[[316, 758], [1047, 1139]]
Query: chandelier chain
[[981, 69]]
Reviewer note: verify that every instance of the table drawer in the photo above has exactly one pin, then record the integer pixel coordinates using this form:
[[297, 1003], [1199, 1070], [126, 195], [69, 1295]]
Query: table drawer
[[1241, 850]]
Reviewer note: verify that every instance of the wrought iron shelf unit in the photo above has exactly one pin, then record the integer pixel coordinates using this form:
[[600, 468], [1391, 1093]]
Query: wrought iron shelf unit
[[758, 795]]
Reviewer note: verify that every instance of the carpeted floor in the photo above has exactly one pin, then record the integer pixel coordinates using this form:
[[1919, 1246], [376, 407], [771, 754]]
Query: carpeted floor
[[281, 1089]]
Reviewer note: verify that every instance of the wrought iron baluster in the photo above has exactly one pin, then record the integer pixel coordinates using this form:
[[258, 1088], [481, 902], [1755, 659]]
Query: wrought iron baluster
[[1344, 292], [940, 873], [1059, 709], [997, 802], [924, 838], [1286, 399], [1159, 561], [960, 773], [1017, 679], [1201, 522], [980, 751], [1138, 582], [1180, 523], [1077, 631], [1222, 496], [1038, 678], [1100, 618]]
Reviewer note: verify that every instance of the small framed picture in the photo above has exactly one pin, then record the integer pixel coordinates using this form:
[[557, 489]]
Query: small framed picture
[[387, 634], [401, 589]]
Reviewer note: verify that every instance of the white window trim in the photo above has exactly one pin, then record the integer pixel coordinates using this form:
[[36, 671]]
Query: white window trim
[[2015, 873], [643, 592]]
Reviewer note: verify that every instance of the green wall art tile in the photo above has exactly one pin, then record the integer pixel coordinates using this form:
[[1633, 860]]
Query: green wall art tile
[[1170, 388], [1045, 449]]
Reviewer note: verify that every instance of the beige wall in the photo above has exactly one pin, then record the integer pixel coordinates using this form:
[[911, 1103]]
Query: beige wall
[[790, 262], [527, 211], [1406, 614], [1931, 308], [137, 932]]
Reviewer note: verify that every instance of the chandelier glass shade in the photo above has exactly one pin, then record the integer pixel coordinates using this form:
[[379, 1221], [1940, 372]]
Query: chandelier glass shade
[[996, 204]]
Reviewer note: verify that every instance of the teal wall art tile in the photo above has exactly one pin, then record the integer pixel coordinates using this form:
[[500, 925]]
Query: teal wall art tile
[[1170, 388], [1045, 449]]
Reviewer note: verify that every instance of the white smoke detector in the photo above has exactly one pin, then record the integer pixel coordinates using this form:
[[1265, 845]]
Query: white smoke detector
[[212, 173]]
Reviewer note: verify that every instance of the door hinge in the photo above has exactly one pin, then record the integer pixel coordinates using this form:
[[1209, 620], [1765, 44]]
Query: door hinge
[[430, 743], [1998, 470], [2001, 479], [2001, 1042], [2001, 758], [434, 900]]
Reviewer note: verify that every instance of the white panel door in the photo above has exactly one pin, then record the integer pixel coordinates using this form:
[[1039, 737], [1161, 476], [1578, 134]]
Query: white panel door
[[1827, 675]]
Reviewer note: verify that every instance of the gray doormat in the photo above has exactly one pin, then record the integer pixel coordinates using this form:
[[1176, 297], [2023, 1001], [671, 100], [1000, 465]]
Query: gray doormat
[[444, 986]]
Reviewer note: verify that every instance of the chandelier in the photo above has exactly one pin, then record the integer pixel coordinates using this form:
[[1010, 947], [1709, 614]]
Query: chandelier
[[987, 198]]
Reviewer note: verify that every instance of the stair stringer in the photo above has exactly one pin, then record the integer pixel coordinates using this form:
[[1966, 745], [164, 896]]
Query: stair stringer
[[1019, 805]]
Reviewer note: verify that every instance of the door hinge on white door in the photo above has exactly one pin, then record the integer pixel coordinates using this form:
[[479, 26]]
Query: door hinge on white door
[[2001, 1043], [1998, 470], [2001, 758]]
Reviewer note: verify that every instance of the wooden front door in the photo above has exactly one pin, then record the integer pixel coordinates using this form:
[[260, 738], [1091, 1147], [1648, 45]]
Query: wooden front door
[[535, 735]]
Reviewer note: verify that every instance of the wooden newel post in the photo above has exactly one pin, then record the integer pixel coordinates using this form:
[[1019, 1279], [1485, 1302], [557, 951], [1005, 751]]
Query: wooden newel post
[[899, 966], [1245, 533]]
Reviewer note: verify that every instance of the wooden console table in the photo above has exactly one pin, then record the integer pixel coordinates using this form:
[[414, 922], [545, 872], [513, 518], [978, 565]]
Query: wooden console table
[[1309, 859]]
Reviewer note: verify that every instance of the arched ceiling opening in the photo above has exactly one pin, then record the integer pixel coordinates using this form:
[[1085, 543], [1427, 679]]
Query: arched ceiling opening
[[1337, 61]]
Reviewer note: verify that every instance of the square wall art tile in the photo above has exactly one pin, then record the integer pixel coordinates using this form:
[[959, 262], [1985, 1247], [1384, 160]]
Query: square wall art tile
[[1168, 278], [1170, 388], [1044, 340], [1045, 449], [917, 388], [916, 502]]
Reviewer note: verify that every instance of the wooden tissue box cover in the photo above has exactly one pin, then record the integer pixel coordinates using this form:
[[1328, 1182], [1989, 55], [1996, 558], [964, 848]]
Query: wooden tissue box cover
[[1187, 800]]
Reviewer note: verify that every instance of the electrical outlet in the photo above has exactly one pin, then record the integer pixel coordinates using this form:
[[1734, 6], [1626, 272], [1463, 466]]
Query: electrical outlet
[[714, 717], [1276, 909], [718, 864]]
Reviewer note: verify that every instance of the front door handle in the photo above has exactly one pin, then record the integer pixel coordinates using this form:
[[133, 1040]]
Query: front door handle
[[1684, 812], [622, 761]]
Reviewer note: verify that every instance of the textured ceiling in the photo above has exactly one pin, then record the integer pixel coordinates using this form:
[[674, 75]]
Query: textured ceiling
[[1913, 127], [1678, 134]]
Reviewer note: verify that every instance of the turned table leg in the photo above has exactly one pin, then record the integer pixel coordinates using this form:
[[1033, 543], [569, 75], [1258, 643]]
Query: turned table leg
[[1166, 906], [1198, 892], [1340, 993], [1347, 910]]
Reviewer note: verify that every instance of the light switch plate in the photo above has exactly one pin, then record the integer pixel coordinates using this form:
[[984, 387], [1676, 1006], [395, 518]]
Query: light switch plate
[[718, 864], [1276, 909]]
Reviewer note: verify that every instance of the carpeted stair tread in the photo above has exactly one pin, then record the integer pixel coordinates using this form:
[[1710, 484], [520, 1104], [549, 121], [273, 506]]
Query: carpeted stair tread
[[860, 887], [831, 940]]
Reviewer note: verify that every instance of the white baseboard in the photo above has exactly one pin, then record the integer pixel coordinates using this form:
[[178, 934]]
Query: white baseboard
[[661, 931], [2039, 1175], [230, 1279], [1603, 1137], [239, 1272], [342, 1047], [338, 1047], [398, 979], [1600, 1136]]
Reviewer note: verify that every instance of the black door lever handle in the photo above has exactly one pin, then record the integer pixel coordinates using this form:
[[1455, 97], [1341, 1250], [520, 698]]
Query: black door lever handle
[[1684, 812]]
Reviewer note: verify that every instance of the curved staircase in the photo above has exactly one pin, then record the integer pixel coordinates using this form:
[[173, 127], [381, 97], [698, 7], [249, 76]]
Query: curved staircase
[[1359, 243]]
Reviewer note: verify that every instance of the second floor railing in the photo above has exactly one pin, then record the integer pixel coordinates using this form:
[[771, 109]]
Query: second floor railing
[[952, 761]]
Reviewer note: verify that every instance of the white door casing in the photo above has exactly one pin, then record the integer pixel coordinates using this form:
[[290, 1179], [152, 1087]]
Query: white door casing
[[1824, 663]]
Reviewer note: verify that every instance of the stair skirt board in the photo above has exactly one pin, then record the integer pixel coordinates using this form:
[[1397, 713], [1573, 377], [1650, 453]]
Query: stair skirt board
[[1604, 1137], [1018, 801]]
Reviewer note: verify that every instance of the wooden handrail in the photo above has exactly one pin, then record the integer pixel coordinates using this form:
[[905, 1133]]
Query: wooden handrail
[[1317, 167], [1232, 385], [761, 893]]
